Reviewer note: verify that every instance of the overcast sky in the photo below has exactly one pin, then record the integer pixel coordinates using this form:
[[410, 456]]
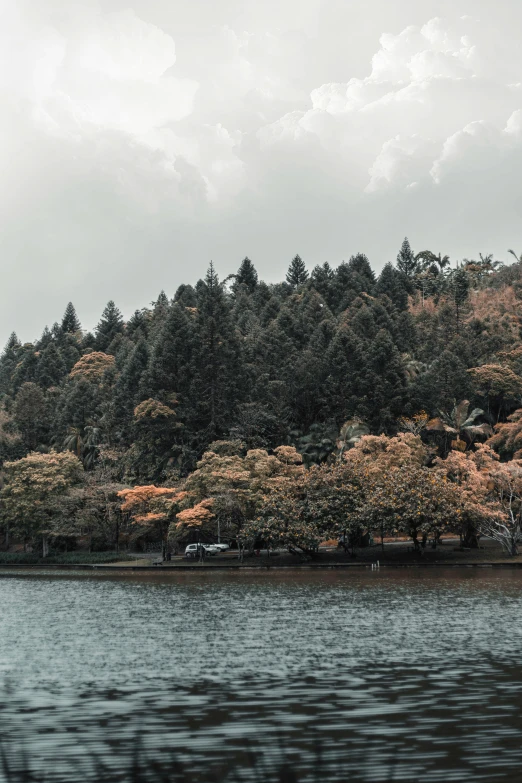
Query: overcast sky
[[137, 142]]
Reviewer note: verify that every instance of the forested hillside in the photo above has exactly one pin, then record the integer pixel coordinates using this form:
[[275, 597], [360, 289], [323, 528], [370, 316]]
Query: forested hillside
[[264, 366]]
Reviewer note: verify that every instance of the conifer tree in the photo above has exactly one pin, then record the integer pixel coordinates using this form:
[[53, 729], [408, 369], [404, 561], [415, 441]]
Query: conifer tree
[[390, 282], [137, 325], [186, 296], [51, 368], [128, 391], [321, 279], [359, 266], [246, 275], [217, 369], [297, 274], [110, 324], [169, 369], [70, 322], [344, 361], [460, 291], [383, 384], [406, 261], [8, 362]]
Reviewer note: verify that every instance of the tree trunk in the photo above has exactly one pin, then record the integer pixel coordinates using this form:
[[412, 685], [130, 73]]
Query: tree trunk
[[45, 545]]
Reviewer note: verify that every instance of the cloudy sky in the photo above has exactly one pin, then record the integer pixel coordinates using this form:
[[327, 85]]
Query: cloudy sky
[[137, 142]]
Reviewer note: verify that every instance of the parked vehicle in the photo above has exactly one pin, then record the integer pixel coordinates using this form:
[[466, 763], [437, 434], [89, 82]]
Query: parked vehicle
[[192, 551], [221, 547]]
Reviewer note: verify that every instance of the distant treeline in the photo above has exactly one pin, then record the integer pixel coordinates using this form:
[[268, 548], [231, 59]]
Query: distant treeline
[[266, 365]]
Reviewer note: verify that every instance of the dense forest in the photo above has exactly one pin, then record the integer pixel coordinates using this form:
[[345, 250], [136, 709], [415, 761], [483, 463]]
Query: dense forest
[[94, 425]]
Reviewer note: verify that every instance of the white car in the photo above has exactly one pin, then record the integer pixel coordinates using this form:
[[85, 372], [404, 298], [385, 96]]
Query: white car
[[221, 547], [192, 550]]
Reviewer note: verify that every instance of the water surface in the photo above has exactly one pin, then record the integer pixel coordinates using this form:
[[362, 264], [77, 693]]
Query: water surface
[[394, 675]]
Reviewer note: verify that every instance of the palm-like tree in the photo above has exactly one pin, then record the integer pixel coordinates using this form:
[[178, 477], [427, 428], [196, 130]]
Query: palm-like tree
[[84, 443], [435, 263], [519, 258], [462, 423], [351, 433]]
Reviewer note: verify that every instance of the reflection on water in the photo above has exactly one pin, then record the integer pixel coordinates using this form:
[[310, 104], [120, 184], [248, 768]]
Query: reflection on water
[[393, 675]]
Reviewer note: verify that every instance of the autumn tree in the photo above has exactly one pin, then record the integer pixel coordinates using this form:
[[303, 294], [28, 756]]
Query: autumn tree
[[507, 437], [32, 495], [498, 385], [151, 509], [236, 485]]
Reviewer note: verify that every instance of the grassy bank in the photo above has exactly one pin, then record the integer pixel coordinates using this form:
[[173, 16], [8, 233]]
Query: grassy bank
[[68, 558]]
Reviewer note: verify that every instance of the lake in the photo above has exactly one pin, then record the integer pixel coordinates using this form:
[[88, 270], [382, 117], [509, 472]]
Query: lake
[[385, 675]]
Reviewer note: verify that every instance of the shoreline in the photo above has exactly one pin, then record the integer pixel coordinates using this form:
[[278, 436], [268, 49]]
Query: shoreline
[[261, 567]]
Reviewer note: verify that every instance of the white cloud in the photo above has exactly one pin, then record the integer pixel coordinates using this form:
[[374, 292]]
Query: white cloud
[[131, 137]]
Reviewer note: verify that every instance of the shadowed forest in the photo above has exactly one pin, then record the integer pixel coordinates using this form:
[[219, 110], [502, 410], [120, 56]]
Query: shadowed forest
[[286, 412]]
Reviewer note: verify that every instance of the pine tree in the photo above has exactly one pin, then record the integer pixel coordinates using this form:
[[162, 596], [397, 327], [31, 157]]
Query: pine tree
[[383, 384], [344, 361], [128, 391], [169, 368], [51, 369], [446, 380], [160, 311], [70, 322], [137, 325], [45, 339], [110, 324], [359, 266], [460, 291], [390, 282], [217, 367], [297, 274], [322, 278], [8, 362], [406, 261], [246, 275], [186, 296]]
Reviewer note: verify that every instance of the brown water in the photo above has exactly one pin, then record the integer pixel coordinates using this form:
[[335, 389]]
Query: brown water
[[395, 675]]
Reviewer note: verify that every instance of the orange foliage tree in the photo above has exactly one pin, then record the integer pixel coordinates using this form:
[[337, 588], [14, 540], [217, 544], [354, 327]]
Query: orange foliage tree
[[507, 437], [491, 493], [498, 384], [92, 366], [401, 494], [236, 485], [151, 508]]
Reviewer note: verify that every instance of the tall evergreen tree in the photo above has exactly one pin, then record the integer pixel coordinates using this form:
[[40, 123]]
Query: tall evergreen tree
[[246, 275], [406, 261], [460, 291], [70, 321], [128, 391], [391, 283], [110, 325], [51, 369], [360, 267], [217, 375], [186, 296], [8, 362], [169, 369], [297, 274], [321, 279]]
